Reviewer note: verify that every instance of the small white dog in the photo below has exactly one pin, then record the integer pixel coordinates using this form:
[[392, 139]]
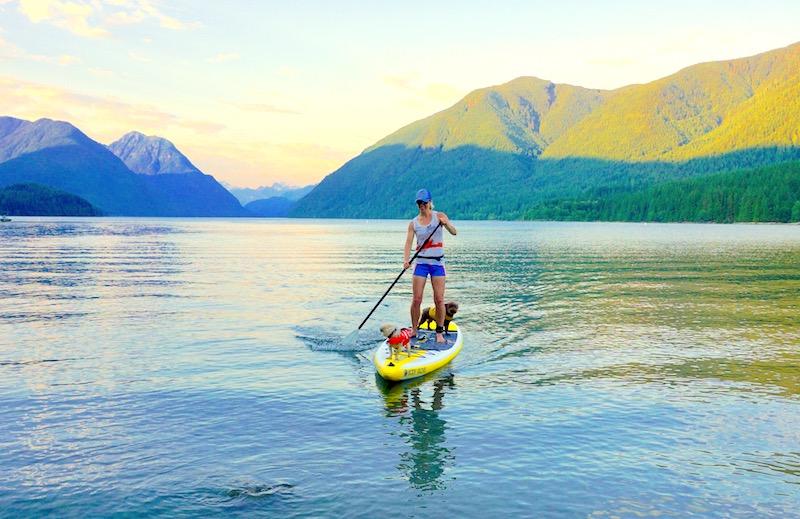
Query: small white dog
[[399, 338]]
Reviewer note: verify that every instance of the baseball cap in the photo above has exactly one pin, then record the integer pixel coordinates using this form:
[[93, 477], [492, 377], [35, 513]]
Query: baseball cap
[[423, 195]]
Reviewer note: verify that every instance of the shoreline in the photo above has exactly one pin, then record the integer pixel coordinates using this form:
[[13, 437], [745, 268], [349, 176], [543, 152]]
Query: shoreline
[[310, 218]]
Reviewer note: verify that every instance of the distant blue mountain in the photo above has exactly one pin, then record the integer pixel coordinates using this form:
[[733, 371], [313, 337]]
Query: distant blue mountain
[[276, 206], [151, 155], [245, 195], [59, 155], [176, 184]]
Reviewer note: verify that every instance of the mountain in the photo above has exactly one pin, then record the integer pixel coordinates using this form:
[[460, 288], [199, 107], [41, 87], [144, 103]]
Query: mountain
[[695, 112], [523, 116], [246, 195], [515, 150], [175, 183], [151, 155], [37, 200], [276, 206], [764, 194], [59, 155]]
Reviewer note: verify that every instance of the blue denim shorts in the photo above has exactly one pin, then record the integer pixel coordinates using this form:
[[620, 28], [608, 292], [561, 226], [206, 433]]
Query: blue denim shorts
[[423, 270]]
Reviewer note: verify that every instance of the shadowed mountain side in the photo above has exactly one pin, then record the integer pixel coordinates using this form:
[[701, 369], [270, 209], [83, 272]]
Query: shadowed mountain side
[[38, 200], [475, 183], [100, 178], [59, 155], [191, 194], [177, 187], [765, 194], [275, 206]]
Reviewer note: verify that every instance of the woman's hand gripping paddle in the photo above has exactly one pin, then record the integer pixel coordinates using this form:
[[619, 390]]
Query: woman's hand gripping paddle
[[352, 337]]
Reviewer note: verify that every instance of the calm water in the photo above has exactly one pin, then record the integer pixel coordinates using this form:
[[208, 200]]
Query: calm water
[[181, 368]]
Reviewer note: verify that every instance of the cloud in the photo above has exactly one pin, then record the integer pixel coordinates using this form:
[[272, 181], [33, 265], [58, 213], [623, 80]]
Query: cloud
[[254, 163], [440, 92], [69, 15], [398, 81], [66, 59], [266, 108], [9, 51], [105, 118], [443, 91], [137, 11], [287, 71], [138, 57], [612, 61], [223, 57], [238, 153], [101, 72], [95, 18]]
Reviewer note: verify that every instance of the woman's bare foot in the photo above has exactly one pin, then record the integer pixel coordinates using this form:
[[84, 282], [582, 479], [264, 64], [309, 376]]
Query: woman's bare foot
[[440, 338]]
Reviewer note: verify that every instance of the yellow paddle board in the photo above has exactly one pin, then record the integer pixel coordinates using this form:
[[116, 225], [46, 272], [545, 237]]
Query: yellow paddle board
[[425, 355]]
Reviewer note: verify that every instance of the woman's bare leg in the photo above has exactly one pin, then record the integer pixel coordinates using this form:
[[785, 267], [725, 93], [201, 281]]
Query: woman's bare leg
[[418, 289], [437, 283]]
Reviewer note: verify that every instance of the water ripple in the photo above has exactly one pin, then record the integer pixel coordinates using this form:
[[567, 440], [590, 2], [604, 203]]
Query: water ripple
[[181, 368]]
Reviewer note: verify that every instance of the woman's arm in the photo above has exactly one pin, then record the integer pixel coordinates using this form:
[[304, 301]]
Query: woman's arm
[[407, 249], [447, 224]]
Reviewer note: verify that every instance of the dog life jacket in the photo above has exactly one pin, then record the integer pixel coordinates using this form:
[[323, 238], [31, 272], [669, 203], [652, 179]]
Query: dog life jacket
[[432, 314], [432, 251], [403, 337]]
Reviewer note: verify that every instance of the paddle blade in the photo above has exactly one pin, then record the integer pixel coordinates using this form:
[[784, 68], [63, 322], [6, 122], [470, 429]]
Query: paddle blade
[[351, 339]]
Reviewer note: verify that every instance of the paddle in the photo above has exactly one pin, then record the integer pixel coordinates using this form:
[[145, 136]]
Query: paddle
[[352, 337]]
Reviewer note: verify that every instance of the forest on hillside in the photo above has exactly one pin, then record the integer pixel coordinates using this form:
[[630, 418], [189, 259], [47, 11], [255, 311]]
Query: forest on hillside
[[765, 194], [39, 200]]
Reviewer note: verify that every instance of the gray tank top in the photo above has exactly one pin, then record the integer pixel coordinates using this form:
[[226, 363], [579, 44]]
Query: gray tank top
[[422, 232]]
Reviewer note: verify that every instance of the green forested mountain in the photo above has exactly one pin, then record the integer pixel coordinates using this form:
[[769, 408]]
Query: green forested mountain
[[38, 200], [710, 108], [525, 148], [523, 116], [765, 194]]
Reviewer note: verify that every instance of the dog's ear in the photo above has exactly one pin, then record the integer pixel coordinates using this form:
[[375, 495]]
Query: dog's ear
[[387, 329]]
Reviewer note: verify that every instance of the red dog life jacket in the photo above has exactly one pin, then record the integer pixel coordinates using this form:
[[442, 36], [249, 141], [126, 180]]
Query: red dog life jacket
[[401, 338]]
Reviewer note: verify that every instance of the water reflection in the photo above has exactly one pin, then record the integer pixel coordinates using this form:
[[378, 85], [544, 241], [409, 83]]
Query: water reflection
[[427, 456], [640, 369]]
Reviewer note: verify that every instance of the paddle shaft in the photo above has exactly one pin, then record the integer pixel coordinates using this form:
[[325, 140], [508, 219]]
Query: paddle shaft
[[398, 276]]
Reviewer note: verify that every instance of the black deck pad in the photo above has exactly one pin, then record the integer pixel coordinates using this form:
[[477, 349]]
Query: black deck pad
[[426, 340]]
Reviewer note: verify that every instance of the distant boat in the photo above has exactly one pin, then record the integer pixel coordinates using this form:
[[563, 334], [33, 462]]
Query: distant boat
[[5, 218]]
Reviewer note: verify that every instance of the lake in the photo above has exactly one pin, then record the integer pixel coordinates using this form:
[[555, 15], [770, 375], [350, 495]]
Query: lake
[[188, 368]]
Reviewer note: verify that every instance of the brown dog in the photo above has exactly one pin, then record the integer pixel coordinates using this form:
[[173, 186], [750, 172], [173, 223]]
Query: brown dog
[[429, 314]]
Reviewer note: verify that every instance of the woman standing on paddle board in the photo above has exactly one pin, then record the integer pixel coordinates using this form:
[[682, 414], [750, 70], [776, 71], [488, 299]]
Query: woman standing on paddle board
[[430, 261]]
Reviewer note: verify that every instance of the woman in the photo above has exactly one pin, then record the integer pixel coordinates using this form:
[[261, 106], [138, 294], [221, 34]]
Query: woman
[[430, 260]]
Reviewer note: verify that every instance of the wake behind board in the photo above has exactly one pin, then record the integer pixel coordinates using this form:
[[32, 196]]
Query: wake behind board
[[425, 355]]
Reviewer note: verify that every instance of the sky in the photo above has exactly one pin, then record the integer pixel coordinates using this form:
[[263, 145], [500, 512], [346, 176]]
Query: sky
[[256, 92]]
